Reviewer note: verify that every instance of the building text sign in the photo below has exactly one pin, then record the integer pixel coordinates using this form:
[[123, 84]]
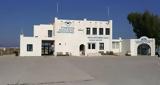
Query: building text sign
[[66, 30], [97, 38]]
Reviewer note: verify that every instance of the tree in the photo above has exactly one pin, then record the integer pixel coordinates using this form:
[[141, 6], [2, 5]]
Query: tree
[[145, 24]]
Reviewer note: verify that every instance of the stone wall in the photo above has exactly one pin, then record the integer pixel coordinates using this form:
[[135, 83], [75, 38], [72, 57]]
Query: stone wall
[[9, 51]]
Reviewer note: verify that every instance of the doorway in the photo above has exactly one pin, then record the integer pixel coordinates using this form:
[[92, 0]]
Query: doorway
[[82, 49], [144, 49], [47, 47]]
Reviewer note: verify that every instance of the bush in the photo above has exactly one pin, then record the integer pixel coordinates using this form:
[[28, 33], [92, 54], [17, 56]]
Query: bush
[[102, 52], [109, 53], [16, 53]]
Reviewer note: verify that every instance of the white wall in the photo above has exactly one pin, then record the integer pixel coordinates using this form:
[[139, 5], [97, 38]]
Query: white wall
[[136, 42], [42, 30], [126, 46], [133, 48], [70, 42], [30, 40], [117, 46], [40, 33]]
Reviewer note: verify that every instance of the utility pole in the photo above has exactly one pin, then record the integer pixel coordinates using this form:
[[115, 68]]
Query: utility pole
[[108, 11], [57, 8]]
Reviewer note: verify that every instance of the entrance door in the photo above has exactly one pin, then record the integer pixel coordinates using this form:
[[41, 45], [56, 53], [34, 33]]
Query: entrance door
[[144, 49], [47, 47], [82, 49]]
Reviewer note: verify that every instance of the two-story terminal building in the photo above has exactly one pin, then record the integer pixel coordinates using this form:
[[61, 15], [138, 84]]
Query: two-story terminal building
[[75, 38]]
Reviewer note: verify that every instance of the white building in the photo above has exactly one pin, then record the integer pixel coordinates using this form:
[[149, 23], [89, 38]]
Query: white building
[[142, 46], [76, 38]]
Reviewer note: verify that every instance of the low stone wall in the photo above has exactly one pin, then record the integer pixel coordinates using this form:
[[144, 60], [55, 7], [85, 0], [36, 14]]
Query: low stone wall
[[9, 51]]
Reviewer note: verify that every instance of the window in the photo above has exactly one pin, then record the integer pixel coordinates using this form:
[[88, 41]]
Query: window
[[100, 31], [49, 33], [94, 31], [107, 31], [29, 47], [88, 31], [101, 46], [91, 45]]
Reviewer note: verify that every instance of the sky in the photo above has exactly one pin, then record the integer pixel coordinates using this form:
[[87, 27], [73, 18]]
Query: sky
[[20, 15]]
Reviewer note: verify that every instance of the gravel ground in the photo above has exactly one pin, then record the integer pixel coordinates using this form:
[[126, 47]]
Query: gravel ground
[[106, 70]]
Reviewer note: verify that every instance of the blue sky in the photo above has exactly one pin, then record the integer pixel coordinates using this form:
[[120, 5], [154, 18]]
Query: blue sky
[[23, 14]]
